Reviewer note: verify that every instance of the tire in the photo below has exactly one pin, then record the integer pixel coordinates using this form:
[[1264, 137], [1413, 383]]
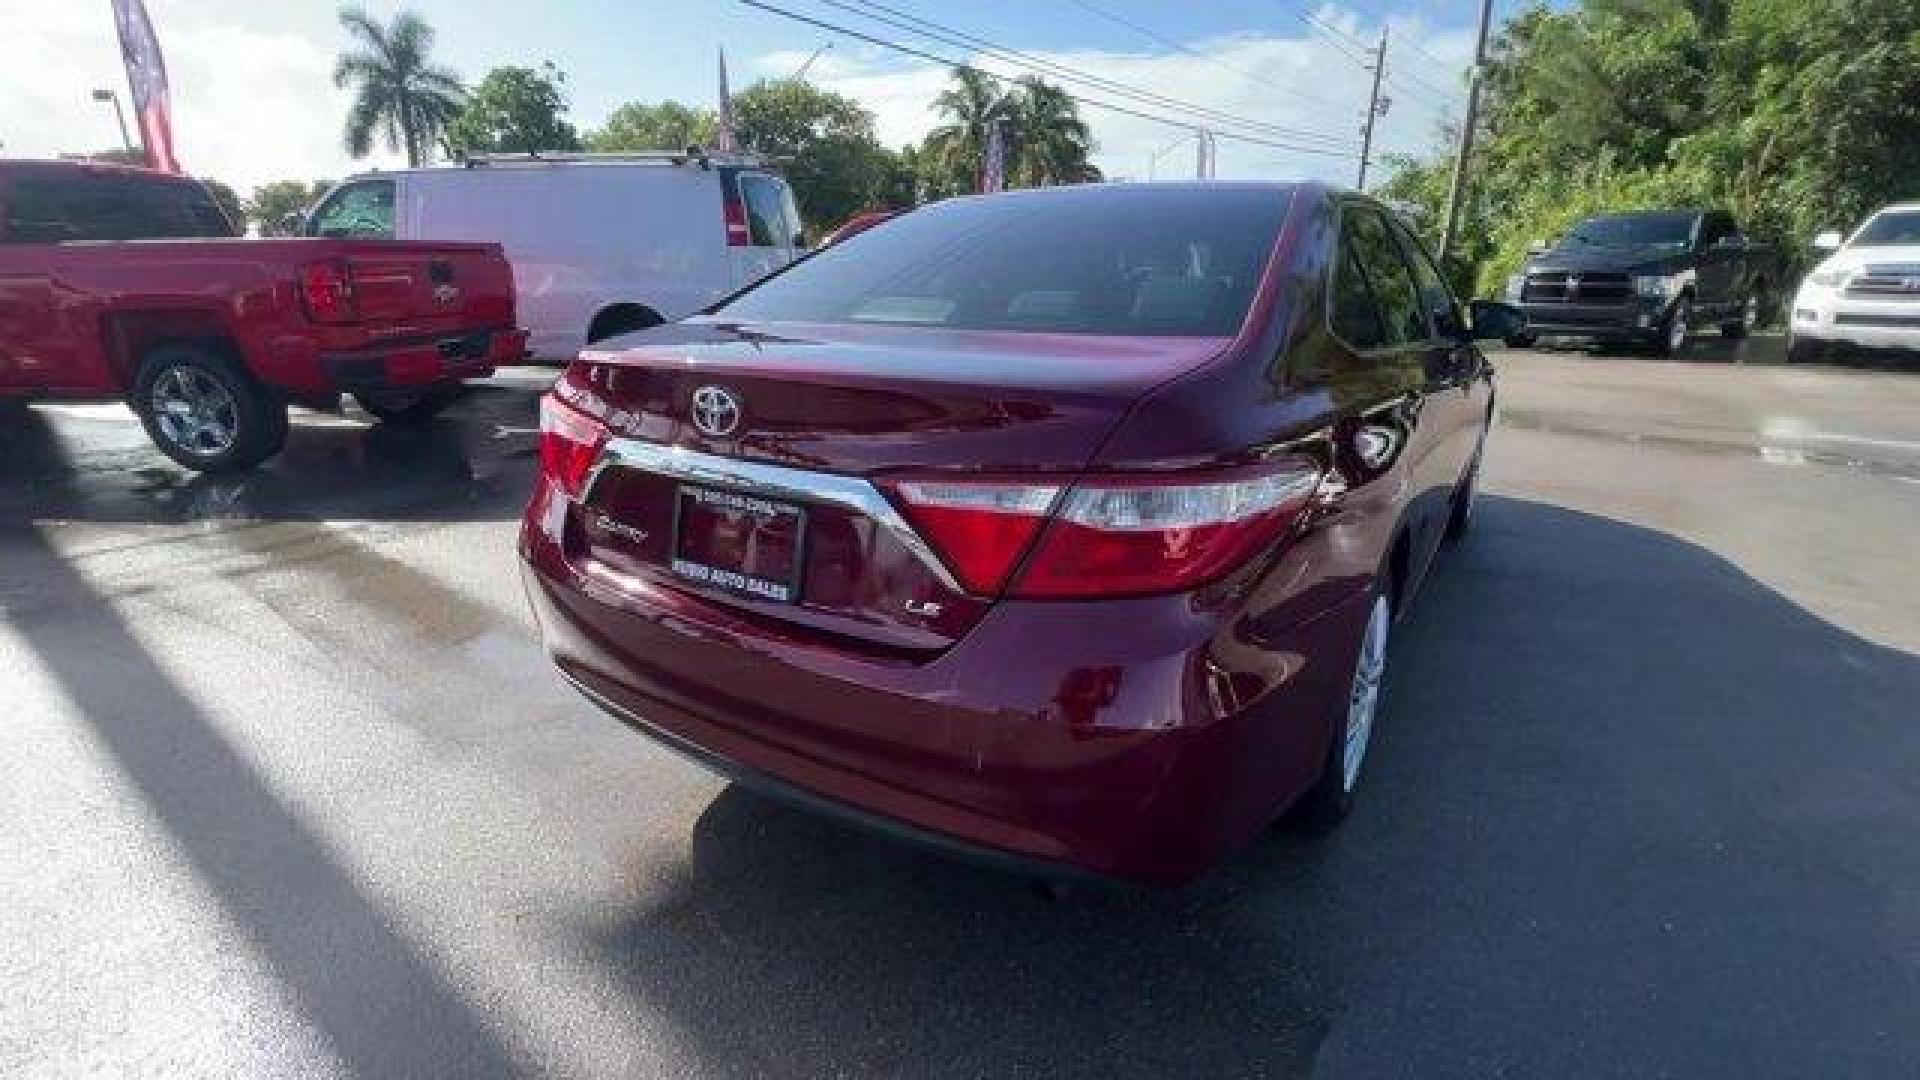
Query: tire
[[203, 410], [620, 319], [407, 406], [1677, 329], [1331, 798], [1802, 351], [1748, 321]]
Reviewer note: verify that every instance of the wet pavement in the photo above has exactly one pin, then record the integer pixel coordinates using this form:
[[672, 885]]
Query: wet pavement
[[290, 790]]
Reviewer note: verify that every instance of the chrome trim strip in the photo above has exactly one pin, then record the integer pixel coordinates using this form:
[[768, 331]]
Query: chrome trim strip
[[800, 485]]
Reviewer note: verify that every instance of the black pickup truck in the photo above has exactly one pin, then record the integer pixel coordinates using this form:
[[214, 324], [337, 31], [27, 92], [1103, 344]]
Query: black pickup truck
[[1653, 277]]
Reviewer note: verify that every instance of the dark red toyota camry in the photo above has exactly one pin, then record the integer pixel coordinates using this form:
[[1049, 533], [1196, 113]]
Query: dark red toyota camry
[[1066, 526]]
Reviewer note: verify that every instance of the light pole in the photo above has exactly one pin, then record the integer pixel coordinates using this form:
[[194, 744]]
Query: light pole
[[108, 95]]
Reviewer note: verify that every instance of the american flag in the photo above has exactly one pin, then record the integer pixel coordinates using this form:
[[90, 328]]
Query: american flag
[[147, 73], [993, 166]]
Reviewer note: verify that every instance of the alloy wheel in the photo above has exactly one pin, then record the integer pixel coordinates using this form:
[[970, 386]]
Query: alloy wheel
[[1363, 699], [195, 411]]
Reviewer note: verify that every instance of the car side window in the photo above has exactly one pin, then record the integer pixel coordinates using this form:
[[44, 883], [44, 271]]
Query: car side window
[[1394, 290], [360, 210], [1355, 314], [1436, 299], [55, 208], [767, 223]]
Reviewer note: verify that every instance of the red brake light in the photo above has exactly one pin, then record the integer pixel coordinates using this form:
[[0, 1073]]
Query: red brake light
[[327, 292], [1109, 536], [737, 233], [570, 443], [980, 529]]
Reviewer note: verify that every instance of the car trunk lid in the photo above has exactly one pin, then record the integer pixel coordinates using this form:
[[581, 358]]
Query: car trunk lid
[[771, 509]]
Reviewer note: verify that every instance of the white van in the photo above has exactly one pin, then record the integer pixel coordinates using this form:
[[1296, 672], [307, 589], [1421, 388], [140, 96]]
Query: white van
[[600, 243]]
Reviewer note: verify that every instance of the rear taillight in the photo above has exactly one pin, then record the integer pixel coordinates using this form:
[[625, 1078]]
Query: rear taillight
[[1107, 536], [570, 443], [327, 292], [980, 529], [738, 235]]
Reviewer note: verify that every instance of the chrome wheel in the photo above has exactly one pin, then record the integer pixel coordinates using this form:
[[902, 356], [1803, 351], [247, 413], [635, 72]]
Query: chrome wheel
[[1363, 700], [195, 411]]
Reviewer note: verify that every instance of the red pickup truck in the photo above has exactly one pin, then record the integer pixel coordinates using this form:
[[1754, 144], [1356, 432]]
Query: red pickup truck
[[123, 283]]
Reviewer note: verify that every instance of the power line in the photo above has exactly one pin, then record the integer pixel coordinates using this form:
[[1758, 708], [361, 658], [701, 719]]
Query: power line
[[927, 28], [1154, 35], [956, 65], [1345, 44]]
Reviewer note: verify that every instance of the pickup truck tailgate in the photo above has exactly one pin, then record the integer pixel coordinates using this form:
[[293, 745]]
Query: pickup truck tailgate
[[431, 286]]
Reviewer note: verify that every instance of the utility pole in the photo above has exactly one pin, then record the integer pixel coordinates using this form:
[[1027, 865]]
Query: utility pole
[[1373, 108], [1202, 139], [1459, 184]]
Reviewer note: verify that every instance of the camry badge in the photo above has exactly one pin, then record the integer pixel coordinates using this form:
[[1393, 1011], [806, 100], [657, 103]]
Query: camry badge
[[716, 412]]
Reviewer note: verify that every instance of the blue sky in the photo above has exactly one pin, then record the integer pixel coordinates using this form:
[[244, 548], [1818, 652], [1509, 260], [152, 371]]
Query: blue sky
[[253, 101]]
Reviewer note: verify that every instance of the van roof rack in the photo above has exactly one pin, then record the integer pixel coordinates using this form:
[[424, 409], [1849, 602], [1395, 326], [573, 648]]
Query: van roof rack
[[692, 155]]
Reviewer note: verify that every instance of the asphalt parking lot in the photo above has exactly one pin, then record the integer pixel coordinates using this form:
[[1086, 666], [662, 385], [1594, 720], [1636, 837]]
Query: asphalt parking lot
[[291, 792]]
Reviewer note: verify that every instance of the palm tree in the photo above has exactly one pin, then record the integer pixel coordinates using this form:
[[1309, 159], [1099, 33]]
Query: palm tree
[[397, 92], [1052, 143], [972, 105]]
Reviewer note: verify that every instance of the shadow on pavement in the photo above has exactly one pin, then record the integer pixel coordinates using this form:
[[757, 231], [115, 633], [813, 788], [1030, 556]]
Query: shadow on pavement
[[381, 1007], [474, 463], [1578, 854]]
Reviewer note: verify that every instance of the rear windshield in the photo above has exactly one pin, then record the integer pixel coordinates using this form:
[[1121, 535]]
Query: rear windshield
[[1635, 230], [1139, 261], [1891, 229], [70, 204]]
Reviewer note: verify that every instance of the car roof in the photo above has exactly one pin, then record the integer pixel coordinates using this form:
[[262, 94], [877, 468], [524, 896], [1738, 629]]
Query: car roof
[[89, 165]]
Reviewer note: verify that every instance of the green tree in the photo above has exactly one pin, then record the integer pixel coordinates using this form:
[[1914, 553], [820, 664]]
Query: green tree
[[972, 103], [823, 142], [397, 92], [1797, 117], [229, 202], [274, 205], [1051, 142], [638, 126], [514, 110]]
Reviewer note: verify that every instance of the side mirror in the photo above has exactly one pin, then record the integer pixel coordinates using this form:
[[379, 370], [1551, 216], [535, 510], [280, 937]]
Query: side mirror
[[1495, 321], [1827, 241]]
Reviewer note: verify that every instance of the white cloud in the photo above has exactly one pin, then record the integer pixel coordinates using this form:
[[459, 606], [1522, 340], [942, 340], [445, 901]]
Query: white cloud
[[249, 106]]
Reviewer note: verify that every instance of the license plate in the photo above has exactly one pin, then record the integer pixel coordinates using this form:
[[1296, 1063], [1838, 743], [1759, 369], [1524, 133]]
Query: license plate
[[739, 542]]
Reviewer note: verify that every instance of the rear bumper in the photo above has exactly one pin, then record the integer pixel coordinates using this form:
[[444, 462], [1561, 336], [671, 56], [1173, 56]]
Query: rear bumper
[[1138, 739], [449, 358]]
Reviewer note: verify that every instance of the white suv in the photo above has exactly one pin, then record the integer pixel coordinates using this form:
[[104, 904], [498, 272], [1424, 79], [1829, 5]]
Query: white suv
[[1866, 294], [600, 244]]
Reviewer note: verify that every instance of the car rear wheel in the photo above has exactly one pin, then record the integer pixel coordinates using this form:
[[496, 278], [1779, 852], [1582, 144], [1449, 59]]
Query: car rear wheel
[[407, 406], [204, 411], [1678, 328], [1332, 795], [1804, 351]]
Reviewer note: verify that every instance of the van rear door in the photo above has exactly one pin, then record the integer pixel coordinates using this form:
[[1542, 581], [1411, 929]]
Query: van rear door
[[771, 237]]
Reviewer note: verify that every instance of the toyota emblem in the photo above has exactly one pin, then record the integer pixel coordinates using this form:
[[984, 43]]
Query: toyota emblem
[[715, 411]]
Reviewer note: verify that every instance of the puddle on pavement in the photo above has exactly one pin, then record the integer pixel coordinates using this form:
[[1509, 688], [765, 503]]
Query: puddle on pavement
[[1775, 452]]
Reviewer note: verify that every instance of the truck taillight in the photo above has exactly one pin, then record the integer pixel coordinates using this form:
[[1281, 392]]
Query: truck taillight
[[738, 235], [327, 292], [1107, 536], [570, 443]]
